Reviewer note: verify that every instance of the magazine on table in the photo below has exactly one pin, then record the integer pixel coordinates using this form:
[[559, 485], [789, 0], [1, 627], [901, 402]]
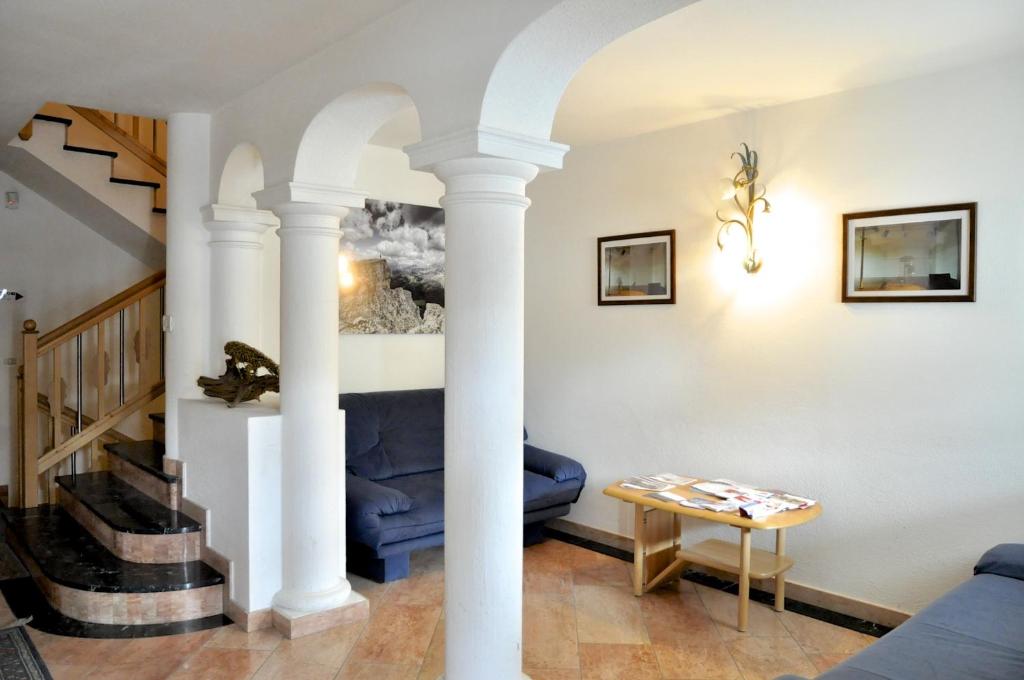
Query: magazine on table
[[752, 502], [659, 482]]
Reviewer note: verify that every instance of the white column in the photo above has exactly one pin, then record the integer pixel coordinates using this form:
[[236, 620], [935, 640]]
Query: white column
[[484, 206], [236, 252], [485, 172], [186, 301], [312, 441]]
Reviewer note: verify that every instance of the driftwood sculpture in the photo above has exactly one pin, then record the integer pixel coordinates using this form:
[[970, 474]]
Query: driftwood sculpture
[[242, 380]]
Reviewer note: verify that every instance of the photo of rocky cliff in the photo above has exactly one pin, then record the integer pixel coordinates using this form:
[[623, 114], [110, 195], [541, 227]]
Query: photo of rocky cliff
[[392, 269]]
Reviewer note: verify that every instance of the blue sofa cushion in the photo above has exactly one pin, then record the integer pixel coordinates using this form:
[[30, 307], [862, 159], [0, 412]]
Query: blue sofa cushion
[[372, 464], [389, 434], [1006, 559], [374, 524], [557, 467]]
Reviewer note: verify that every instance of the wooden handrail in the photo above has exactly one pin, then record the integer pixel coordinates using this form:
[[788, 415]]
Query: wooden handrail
[[115, 133], [101, 312], [101, 425], [69, 416]]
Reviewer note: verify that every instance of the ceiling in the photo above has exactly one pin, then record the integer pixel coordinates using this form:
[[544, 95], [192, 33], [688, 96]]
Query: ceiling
[[156, 57], [718, 57]]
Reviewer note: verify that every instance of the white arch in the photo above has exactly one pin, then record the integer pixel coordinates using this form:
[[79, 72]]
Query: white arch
[[241, 177], [533, 72], [332, 144]]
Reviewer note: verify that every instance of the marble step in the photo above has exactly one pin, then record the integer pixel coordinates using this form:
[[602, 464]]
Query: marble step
[[141, 464], [158, 424], [130, 524], [85, 581]]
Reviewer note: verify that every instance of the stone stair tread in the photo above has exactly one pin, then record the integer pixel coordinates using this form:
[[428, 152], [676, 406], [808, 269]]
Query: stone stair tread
[[123, 507], [147, 455], [67, 554], [157, 417]]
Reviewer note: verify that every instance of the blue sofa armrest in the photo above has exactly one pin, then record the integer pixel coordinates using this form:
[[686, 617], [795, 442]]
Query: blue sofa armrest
[[557, 467], [1006, 559], [371, 498]]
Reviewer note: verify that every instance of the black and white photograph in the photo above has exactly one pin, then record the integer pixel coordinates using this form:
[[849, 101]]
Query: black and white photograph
[[910, 255], [636, 269], [391, 269]]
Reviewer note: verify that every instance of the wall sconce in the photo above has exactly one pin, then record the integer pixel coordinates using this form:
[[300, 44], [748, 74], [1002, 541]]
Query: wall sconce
[[744, 184]]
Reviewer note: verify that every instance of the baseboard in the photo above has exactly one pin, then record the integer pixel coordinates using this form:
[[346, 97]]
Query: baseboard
[[259, 619], [834, 602]]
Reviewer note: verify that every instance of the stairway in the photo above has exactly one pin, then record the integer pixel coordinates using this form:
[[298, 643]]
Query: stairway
[[115, 557], [106, 170]]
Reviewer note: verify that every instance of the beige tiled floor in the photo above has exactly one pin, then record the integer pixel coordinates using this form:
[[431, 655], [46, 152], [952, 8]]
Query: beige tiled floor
[[580, 621]]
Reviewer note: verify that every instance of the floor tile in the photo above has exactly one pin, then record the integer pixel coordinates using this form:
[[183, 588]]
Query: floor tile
[[615, 662], [549, 631], [594, 569], [674, 617], [433, 663], [824, 662], [556, 582], [211, 663], [424, 589], [279, 668], [132, 671], [61, 671], [706, 661], [164, 652], [611, 615], [235, 637], [69, 651], [765, 658], [397, 634], [355, 670], [762, 620], [327, 648], [548, 674], [818, 637], [374, 592]]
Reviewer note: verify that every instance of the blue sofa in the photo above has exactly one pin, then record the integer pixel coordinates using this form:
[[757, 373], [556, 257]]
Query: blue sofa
[[394, 455], [974, 631]]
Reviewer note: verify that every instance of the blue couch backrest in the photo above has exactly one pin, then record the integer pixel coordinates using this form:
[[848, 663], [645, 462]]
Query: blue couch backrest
[[390, 434]]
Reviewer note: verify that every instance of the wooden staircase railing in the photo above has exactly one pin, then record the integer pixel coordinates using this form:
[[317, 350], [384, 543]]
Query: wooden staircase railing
[[139, 382]]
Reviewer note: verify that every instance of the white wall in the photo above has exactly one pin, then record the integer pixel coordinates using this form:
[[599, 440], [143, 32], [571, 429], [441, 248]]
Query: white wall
[[63, 268], [904, 419], [370, 363]]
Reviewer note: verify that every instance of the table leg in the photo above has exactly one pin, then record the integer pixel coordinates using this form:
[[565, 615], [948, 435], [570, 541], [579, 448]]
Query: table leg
[[780, 579], [744, 603], [639, 548]]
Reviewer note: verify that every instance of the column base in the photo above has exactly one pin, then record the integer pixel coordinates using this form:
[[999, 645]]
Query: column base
[[294, 624]]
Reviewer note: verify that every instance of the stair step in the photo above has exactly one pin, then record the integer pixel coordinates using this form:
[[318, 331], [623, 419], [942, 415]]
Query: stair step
[[85, 149], [157, 417], [53, 119], [135, 182], [69, 556], [160, 211], [123, 507], [148, 456]]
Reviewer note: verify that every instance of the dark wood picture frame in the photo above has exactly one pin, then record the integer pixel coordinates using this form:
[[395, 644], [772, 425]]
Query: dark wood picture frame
[[671, 299], [972, 218]]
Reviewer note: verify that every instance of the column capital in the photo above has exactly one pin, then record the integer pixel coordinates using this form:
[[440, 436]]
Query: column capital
[[485, 142], [237, 226], [274, 197]]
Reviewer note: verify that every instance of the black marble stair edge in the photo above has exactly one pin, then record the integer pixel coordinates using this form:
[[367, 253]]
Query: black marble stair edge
[[87, 149], [53, 119], [68, 555], [157, 417], [124, 508], [135, 182], [146, 455]]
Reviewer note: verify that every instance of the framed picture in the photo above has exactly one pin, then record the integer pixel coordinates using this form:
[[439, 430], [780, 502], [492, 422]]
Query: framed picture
[[637, 269], [910, 255]]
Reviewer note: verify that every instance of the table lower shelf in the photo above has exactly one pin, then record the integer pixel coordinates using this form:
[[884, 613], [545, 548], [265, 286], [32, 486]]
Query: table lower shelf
[[725, 556]]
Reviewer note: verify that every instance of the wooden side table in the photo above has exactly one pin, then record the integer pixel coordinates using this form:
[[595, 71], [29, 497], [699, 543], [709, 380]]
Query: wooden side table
[[658, 555]]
